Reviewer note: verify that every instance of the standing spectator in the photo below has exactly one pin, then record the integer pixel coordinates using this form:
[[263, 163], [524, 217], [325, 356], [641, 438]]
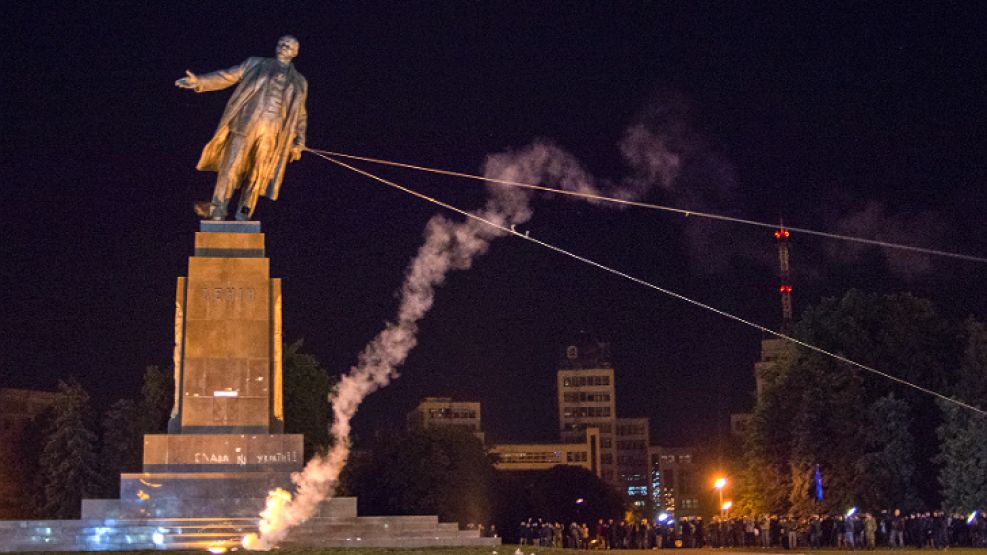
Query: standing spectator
[[897, 533], [870, 531], [848, 528], [574, 535], [793, 535]]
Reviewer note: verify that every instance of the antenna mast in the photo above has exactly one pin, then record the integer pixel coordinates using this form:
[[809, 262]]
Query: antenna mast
[[784, 275]]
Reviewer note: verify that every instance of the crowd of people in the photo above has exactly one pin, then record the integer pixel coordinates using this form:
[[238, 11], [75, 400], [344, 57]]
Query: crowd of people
[[853, 531]]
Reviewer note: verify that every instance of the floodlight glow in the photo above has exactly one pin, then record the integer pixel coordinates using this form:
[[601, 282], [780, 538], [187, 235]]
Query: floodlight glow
[[727, 505], [851, 512], [972, 517], [720, 483], [662, 517], [157, 538], [580, 501]]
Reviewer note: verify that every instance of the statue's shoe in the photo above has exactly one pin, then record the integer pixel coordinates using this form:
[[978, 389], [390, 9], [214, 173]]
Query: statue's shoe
[[202, 209]]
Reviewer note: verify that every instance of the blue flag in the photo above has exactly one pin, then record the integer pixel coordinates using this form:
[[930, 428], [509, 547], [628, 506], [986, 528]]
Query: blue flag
[[819, 490]]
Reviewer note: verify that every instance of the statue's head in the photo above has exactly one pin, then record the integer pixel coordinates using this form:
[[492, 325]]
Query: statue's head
[[287, 48]]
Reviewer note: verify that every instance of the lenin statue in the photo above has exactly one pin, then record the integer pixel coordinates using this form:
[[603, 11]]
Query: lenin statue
[[261, 131]]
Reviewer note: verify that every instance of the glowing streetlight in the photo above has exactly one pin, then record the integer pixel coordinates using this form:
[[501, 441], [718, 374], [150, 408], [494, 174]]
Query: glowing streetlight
[[718, 485], [726, 506]]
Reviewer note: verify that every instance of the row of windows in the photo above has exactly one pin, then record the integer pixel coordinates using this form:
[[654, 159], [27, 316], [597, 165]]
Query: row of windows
[[632, 430], [586, 412], [606, 458], [689, 503], [631, 461], [581, 381], [687, 483], [637, 490], [581, 426], [468, 427], [637, 445], [531, 457], [452, 413], [577, 456], [584, 397], [670, 459]]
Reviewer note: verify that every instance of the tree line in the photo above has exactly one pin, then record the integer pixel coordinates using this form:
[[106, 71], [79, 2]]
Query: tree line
[[876, 444], [79, 453], [73, 451]]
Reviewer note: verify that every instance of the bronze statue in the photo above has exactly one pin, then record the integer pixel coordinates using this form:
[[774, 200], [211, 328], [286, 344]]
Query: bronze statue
[[261, 131]]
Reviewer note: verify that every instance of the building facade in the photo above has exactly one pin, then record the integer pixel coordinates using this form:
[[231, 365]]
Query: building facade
[[542, 456], [632, 441], [434, 412], [676, 485], [585, 398]]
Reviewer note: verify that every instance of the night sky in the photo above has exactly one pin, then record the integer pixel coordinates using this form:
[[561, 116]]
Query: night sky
[[848, 118]]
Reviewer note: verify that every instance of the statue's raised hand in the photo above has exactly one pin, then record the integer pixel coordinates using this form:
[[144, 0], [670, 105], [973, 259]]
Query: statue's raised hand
[[190, 81]]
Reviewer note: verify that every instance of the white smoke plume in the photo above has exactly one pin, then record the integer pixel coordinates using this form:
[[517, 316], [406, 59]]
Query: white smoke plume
[[875, 220], [449, 245]]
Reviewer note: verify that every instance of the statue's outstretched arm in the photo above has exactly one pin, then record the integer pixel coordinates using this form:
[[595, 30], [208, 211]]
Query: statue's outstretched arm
[[216, 80]]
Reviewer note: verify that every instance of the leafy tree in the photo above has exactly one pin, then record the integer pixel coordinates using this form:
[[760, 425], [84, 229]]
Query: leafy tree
[[306, 398], [122, 443], [818, 411], [563, 493], [886, 473], [439, 471], [125, 423], [69, 463], [963, 433], [157, 398]]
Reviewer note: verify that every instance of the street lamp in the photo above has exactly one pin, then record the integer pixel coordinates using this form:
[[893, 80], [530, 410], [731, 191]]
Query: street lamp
[[726, 506], [718, 485]]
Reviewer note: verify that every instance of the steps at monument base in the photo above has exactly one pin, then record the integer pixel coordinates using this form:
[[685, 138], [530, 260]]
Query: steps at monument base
[[74, 535], [249, 507], [202, 533]]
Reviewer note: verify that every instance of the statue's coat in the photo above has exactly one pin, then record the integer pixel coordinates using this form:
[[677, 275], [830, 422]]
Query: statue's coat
[[253, 75]]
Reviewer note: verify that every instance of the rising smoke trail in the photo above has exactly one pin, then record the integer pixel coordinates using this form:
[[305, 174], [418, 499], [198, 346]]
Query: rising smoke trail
[[448, 246]]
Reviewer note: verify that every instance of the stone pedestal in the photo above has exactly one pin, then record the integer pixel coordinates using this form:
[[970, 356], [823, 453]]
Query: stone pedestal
[[228, 336], [224, 450], [206, 480]]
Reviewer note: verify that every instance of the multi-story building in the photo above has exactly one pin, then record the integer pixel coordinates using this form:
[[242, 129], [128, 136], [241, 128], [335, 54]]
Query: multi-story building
[[675, 481], [586, 397], [585, 390], [542, 456], [433, 412], [632, 462]]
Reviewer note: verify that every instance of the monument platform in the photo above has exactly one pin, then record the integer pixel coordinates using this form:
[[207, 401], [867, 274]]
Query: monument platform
[[205, 482]]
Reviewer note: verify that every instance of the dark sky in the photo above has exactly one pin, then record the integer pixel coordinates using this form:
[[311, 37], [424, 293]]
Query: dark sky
[[850, 118]]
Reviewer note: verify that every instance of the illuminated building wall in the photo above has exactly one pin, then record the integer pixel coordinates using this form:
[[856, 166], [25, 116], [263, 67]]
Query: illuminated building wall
[[433, 412], [675, 481], [585, 396], [542, 456], [632, 464]]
